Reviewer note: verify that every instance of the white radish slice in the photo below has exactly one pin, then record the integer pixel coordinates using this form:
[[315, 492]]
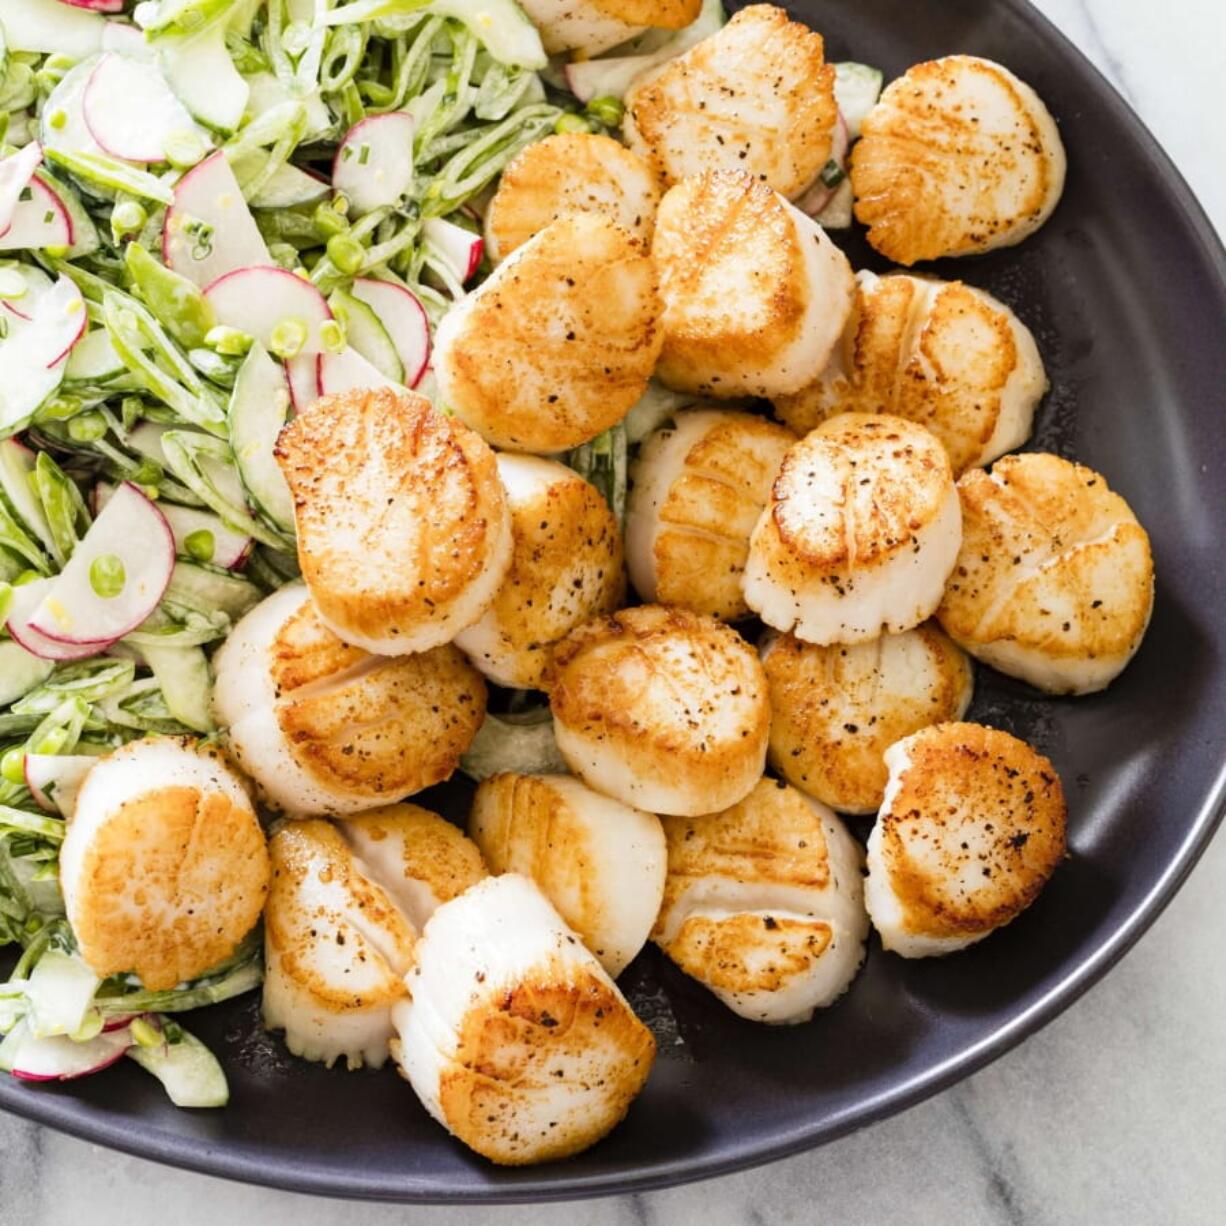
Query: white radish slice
[[209, 230], [132, 530], [259, 406], [203, 76], [37, 222], [55, 778], [461, 248], [59, 1058], [348, 371], [302, 376], [32, 349], [97, 6], [60, 319], [256, 300], [230, 549], [374, 162], [26, 599], [128, 40], [367, 335], [48, 26], [130, 110], [405, 321], [15, 173]]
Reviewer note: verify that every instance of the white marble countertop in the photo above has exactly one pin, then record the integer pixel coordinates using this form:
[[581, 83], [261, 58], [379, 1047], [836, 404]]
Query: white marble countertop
[[1116, 1113]]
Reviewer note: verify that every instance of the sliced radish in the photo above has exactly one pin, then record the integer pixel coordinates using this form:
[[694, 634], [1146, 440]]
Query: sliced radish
[[48, 26], [130, 110], [61, 122], [96, 6], [367, 334], [26, 599], [209, 230], [461, 248], [128, 40], [32, 350], [55, 778], [60, 1058], [405, 321], [302, 376], [203, 76], [230, 549], [609, 78], [133, 534], [348, 371], [38, 221], [256, 300], [374, 162], [15, 173]]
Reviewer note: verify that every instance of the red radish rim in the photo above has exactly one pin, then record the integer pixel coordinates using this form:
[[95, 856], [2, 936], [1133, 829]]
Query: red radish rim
[[63, 356], [103, 60], [291, 383], [95, 1068], [96, 646], [96, 6], [266, 270], [425, 319], [171, 207], [56, 203]]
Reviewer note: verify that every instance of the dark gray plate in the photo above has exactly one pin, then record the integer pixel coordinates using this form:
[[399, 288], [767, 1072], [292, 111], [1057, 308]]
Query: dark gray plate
[[1125, 289]]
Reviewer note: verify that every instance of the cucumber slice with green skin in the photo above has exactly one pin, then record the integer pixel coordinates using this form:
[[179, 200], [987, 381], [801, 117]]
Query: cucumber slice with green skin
[[501, 25], [265, 91], [205, 591], [288, 187], [115, 577], [259, 408], [93, 359], [20, 672], [188, 1071], [146, 440], [54, 779], [48, 26], [836, 214], [521, 744], [203, 77], [16, 473], [367, 334], [183, 674], [405, 320], [60, 991], [856, 89]]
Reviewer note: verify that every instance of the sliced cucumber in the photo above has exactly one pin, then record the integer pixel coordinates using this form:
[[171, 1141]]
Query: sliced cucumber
[[368, 335], [259, 407], [502, 26], [93, 359], [524, 744], [288, 187], [200, 589], [203, 76], [49, 26], [856, 89], [189, 1072], [836, 214], [17, 491], [20, 672], [183, 674]]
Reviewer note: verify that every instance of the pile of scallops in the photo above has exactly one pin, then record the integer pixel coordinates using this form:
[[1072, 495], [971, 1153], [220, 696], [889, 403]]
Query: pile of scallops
[[784, 631]]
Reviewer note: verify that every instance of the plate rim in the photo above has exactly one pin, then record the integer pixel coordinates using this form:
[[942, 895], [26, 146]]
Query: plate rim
[[199, 1156]]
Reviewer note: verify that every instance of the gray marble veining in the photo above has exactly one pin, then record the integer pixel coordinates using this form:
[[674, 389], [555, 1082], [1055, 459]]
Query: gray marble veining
[[1115, 1114]]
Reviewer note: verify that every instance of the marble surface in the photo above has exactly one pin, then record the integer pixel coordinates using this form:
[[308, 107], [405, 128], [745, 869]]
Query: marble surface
[[1116, 1113]]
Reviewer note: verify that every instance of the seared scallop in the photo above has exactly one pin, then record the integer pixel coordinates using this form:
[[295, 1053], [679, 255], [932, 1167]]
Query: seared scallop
[[1055, 581], [971, 828], [164, 867], [755, 294], [860, 533], [418, 857], [959, 156], [336, 949], [593, 26], [697, 489], [559, 343], [600, 863], [403, 530], [764, 904], [835, 710], [939, 353], [572, 172], [323, 727], [514, 1037], [566, 566], [757, 96], [662, 709]]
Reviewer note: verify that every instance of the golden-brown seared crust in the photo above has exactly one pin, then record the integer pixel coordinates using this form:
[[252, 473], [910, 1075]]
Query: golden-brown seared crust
[[663, 680], [940, 355], [709, 512], [511, 1049], [757, 96], [856, 491], [378, 727], [955, 158], [295, 915], [973, 831], [733, 280], [835, 710], [571, 172], [435, 852], [566, 566], [748, 952], [174, 881], [1052, 561], [559, 343], [663, 14], [398, 509]]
